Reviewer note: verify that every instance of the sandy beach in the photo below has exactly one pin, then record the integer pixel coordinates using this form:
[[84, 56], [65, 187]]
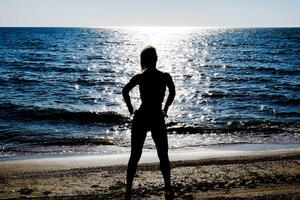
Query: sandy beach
[[216, 174]]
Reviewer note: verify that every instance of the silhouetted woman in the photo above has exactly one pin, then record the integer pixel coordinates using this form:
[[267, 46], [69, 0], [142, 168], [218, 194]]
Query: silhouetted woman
[[150, 116]]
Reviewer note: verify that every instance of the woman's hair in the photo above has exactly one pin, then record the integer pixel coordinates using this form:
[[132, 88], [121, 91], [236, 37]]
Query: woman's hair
[[148, 57]]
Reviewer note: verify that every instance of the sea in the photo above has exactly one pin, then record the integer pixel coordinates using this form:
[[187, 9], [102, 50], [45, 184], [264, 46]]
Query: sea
[[60, 88]]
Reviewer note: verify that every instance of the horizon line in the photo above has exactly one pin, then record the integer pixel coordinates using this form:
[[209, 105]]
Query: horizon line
[[150, 26]]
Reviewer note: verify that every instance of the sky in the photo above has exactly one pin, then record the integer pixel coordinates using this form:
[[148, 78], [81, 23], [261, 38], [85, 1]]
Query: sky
[[103, 13]]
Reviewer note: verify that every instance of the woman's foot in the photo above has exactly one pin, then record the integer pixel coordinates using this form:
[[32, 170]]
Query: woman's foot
[[169, 194], [128, 195]]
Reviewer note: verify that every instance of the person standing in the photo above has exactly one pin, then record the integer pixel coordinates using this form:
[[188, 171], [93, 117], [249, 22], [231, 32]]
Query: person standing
[[150, 115]]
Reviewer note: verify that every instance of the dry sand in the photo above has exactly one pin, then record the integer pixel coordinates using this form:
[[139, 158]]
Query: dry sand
[[231, 175]]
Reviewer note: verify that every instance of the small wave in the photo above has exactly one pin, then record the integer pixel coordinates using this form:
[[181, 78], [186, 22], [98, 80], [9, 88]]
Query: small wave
[[91, 82], [252, 126], [287, 114], [19, 79], [77, 142], [67, 69], [290, 102], [95, 57], [275, 70], [42, 67], [215, 94], [55, 145], [13, 111]]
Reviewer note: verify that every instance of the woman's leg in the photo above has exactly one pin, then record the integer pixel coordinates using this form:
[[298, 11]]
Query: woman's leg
[[161, 141], [138, 136]]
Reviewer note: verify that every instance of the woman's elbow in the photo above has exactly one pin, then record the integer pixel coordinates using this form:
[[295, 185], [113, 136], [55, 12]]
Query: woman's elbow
[[125, 91], [173, 93]]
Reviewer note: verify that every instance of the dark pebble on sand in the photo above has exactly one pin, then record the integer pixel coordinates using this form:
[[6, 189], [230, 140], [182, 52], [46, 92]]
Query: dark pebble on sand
[[94, 186], [25, 191], [47, 193], [117, 185], [203, 189], [187, 197]]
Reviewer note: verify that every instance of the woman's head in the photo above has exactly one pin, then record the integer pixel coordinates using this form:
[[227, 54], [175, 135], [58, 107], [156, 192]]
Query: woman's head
[[148, 57]]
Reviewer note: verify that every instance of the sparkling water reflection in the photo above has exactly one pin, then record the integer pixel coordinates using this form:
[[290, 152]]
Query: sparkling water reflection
[[233, 85]]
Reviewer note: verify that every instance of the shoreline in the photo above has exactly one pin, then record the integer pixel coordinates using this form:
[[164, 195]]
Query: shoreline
[[225, 153], [241, 147]]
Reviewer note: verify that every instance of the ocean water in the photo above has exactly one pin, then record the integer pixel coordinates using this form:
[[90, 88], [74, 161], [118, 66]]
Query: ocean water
[[60, 88]]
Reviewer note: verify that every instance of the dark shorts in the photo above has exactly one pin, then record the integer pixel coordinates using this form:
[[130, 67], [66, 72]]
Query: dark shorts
[[147, 121]]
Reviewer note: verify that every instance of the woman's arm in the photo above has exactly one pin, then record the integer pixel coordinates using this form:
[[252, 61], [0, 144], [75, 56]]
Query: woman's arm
[[171, 87], [125, 92]]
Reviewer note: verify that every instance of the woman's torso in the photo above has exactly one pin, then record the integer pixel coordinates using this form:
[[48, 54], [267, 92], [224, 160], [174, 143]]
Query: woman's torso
[[152, 88]]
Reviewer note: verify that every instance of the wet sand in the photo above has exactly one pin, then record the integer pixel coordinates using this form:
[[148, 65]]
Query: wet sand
[[216, 175]]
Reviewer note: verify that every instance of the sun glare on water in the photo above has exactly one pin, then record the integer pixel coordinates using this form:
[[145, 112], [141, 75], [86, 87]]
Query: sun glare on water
[[156, 35], [182, 51]]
